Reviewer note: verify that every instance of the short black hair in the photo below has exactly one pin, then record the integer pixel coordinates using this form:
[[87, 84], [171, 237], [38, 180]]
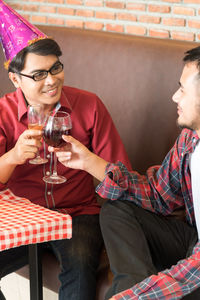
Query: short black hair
[[46, 46], [193, 55]]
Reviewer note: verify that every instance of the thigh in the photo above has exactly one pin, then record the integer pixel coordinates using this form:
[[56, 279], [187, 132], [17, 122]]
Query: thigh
[[126, 245], [13, 259], [169, 239], [84, 246]]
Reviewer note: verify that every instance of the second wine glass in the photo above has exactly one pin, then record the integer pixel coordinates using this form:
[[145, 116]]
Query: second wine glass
[[36, 120], [57, 124]]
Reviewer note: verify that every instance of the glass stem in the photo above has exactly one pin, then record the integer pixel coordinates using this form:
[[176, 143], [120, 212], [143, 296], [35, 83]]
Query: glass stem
[[55, 165], [38, 154]]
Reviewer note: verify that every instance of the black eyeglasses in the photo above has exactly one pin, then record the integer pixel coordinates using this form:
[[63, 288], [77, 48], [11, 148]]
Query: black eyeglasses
[[40, 75]]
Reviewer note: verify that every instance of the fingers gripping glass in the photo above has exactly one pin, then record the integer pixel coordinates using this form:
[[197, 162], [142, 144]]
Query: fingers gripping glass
[[36, 120], [57, 124], [40, 75]]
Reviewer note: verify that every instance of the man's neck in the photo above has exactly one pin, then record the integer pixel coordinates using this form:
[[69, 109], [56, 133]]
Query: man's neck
[[198, 132]]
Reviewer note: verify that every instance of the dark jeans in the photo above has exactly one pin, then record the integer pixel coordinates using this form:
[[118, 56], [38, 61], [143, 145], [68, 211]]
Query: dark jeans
[[140, 243], [78, 257]]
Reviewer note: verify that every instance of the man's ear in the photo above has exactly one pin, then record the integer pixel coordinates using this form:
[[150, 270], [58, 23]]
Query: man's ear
[[14, 78]]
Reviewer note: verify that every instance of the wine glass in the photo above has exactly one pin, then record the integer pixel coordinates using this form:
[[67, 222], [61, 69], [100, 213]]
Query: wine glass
[[36, 120], [57, 124]]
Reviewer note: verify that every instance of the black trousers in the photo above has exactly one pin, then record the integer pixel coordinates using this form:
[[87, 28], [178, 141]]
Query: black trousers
[[140, 243]]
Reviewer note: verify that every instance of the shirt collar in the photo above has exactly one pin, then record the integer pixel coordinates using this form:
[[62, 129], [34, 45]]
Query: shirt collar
[[64, 102], [22, 104], [193, 142]]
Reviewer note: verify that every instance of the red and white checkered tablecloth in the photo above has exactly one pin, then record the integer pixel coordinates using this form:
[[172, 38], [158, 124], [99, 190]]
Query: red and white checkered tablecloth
[[23, 222]]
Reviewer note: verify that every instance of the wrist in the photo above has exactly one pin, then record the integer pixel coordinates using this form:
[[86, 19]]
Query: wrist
[[89, 161], [95, 166], [10, 158]]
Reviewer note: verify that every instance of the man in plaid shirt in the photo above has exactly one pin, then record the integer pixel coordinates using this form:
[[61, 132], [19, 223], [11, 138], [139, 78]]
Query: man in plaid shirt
[[152, 255]]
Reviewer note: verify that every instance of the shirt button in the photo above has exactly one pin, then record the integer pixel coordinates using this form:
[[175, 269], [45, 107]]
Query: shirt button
[[49, 193], [47, 173], [48, 155]]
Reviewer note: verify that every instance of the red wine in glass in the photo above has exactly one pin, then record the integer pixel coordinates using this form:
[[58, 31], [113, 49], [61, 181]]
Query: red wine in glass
[[53, 137], [58, 124]]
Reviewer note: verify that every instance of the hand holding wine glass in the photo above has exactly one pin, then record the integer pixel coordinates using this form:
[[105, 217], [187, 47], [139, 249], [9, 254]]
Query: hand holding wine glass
[[36, 120], [57, 125], [75, 155]]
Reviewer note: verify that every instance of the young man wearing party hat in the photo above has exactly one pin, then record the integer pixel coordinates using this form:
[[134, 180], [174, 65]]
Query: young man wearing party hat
[[34, 67]]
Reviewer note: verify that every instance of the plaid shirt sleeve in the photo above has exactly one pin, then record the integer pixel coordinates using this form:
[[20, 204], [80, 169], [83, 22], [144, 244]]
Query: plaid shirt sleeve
[[158, 191], [173, 283]]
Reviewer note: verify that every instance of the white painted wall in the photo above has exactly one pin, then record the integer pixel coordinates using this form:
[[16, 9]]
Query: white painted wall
[[16, 287]]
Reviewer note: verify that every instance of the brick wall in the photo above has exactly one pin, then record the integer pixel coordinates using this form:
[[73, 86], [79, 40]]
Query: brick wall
[[173, 19]]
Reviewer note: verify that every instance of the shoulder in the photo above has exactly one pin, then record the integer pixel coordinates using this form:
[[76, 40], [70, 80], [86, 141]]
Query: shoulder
[[8, 111], [75, 92], [83, 98], [9, 99]]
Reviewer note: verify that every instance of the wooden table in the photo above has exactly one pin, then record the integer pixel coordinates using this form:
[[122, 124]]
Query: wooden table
[[25, 223]]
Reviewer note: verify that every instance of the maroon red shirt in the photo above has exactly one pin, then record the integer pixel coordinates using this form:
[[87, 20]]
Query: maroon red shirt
[[92, 125]]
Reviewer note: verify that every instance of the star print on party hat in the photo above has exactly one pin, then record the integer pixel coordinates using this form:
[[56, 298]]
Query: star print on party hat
[[16, 33]]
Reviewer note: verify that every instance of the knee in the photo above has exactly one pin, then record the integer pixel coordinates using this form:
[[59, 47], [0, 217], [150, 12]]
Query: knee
[[112, 207], [106, 212], [115, 209], [79, 257], [115, 212], [105, 209]]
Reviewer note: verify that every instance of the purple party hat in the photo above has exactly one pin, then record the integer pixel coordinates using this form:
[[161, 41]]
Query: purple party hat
[[16, 33]]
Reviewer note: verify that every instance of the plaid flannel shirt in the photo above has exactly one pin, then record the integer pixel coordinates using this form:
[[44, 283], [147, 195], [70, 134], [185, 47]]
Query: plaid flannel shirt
[[163, 189]]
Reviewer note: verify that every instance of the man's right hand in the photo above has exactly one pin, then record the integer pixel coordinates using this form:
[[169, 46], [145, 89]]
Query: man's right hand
[[77, 156], [26, 147]]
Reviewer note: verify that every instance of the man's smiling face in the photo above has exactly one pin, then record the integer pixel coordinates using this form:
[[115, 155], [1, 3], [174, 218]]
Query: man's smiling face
[[46, 91]]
